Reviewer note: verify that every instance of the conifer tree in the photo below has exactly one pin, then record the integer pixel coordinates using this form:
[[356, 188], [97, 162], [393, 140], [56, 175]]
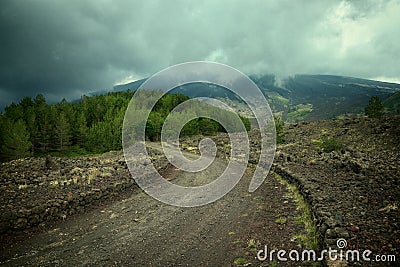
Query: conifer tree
[[16, 142], [81, 130], [62, 132], [374, 109]]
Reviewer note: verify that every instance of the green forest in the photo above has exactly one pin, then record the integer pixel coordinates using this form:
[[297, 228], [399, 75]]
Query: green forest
[[93, 125]]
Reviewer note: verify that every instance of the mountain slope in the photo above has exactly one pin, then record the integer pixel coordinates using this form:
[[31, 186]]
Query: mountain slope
[[332, 96], [392, 103], [301, 97]]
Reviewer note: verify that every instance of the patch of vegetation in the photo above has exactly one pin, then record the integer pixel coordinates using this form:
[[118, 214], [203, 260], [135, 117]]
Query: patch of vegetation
[[239, 261], [280, 130], [299, 113], [329, 144], [239, 107], [309, 239], [279, 99], [392, 103], [375, 108], [252, 244], [281, 220], [341, 117]]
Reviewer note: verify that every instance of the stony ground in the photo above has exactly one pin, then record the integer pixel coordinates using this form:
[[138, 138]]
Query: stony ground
[[140, 231], [38, 191], [353, 193]]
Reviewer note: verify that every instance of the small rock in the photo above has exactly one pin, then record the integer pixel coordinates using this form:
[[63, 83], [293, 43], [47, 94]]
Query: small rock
[[353, 228]]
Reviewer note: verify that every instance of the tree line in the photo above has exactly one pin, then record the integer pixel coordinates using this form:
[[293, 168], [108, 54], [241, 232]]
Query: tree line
[[93, 125]]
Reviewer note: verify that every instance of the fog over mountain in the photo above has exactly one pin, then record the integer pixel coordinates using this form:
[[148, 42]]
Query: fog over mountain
[[300, 97], [69, 48]]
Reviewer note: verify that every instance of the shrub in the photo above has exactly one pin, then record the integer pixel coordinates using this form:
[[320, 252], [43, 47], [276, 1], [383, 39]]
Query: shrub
[[280, 131], [329, 144], [374, 109]]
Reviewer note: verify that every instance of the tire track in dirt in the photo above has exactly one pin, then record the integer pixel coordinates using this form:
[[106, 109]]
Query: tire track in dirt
[[141, 231]]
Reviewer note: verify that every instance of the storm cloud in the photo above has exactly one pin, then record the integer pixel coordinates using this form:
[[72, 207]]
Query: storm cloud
[[70, 48]]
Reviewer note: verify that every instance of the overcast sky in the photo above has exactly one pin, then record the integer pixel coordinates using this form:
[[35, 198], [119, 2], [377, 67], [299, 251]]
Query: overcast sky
[[68, 48]]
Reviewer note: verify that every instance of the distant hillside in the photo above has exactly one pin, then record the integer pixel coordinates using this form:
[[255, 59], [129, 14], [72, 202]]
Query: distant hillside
[[392, 103], [129, 86], [302, 97], [331, 96], [191, 90]]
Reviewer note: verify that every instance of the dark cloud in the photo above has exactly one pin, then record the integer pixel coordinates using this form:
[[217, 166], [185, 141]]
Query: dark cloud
[[68, 48]]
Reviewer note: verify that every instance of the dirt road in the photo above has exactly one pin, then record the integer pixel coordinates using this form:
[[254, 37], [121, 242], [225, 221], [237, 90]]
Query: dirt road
[[141, 231]]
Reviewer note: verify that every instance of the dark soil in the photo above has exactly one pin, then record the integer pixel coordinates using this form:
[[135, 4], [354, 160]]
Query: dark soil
[[140, 231], [353, 193]]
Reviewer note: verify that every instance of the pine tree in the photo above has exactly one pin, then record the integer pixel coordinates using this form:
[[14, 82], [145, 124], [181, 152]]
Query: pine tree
[[62, 132], [31, 125], [16, 142], [97, 138], [43, 124], [14, 112], [374, 109], [81, 130], [117, 128], [4, 127]]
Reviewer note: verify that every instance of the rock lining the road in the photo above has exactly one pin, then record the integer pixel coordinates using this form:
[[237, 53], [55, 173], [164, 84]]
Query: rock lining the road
[[330, 226], [40, 191], [353, 193]]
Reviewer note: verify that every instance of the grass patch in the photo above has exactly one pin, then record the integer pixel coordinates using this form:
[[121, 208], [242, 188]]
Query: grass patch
[[309, 239], [252, 244], [239, 261], [281, 220], [329, 144], [280, 99], [299, 112]]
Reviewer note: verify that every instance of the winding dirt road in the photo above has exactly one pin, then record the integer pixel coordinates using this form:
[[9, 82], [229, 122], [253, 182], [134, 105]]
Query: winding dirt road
[[141, 231]]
